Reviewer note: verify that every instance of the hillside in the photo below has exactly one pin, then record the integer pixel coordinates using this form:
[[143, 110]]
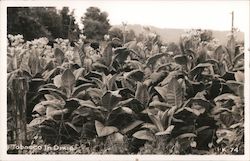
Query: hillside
[[172, 35]]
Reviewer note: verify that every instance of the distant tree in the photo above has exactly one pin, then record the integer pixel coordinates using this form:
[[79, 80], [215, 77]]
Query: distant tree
[[35, 22], [115, 32], [96, 24], [20, 20], [70, 28], [50, 19]]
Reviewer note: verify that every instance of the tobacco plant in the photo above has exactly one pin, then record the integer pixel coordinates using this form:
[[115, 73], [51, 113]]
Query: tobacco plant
[[132, 98]]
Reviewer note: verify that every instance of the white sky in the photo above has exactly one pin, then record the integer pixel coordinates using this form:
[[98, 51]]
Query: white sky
[[171, 14]]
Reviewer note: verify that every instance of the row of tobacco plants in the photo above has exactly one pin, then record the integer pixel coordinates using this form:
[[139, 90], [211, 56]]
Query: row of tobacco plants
[[134, 98]]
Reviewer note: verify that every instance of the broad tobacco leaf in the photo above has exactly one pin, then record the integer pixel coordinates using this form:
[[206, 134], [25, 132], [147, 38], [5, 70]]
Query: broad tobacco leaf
[[107, 54], [181, 59], [34, 63], [152, 60], [54, 113], [142, 93], [219, 53], [78, 73], [162, 92], [59, 56], [116, 137], [144, 135], [68, 81], [36, 122], [136, 75], [79, 55], [104, 130], [110, 99], [160, 105], [174, 93], [121, 54]]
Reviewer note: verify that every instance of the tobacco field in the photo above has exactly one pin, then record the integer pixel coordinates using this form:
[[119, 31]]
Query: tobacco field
[[111, 97]]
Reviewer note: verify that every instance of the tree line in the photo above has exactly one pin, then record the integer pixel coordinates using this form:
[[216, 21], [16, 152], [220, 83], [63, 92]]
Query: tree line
[[36, 22]]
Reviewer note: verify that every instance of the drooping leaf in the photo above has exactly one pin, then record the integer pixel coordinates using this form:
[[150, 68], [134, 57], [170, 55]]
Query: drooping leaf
[[238, 57], [137, 75], [104, 130], [54, 113], [59, 56], [199, 68], [121, 54], [199, 101], [155, 78], [119, 110], [133, 104], [202, 128], [81, 88], [131, 126], [36, 121], [181, 59], [160, 105], [174, 93], [50, 74], [186, 135], [49, 97], [237, 87], [94, 92], [39, 108], [53, 91], [195, 111], [170, 76], [134, 64], [142, 93], [226, 96], [100, 67], [144, 135], [93, 74], [88, 104], [149, 126], [152, 60]]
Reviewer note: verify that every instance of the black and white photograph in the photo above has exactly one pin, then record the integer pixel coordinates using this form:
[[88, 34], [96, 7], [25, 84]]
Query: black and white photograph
[[100, 79]]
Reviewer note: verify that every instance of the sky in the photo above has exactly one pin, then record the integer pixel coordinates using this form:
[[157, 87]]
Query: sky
[[171, 14]]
